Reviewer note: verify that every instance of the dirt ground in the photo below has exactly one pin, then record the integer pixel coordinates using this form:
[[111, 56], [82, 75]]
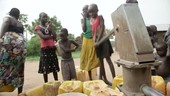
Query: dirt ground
[[33, 79]]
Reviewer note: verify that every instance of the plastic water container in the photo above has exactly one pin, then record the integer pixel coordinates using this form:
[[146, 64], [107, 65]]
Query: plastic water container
[[72, 94]]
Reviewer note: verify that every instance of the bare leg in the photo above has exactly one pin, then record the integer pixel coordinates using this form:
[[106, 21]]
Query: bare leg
[[45, 78], [90, 75], [112, 69], [55, 75], [20, 89], [102, 73], [101, 69], [21, 71], [168, 53]]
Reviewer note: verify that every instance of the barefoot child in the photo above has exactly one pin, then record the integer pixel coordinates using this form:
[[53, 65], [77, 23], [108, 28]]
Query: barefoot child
[[88, 57], [48, 58], [163, 69], [104, 50], [67, 63]]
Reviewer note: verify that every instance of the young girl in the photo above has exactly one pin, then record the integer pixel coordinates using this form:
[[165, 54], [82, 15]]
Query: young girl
[[88, 57], [48, 58], [104, 50]]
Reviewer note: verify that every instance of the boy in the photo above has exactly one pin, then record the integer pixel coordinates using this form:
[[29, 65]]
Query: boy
[[104, 50], [67, 63], [163, 69]]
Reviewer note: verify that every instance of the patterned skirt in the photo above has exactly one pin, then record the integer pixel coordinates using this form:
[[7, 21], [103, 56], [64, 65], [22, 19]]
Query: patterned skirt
[[48, 60], [12, 59]]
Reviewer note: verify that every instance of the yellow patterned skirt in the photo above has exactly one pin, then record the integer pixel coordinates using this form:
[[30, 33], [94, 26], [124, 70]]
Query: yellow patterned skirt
[[88, 57]]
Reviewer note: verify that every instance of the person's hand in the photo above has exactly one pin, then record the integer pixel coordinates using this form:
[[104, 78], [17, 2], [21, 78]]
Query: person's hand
[[74, 49], [84, 14], [58, 70], [96, 45]]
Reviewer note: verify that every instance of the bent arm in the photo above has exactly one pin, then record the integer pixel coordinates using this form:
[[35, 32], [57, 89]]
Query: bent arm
[[54, 36], [83, 24], [4, 27], [66, 50], [76, 45], [45, 37], [102, 28]]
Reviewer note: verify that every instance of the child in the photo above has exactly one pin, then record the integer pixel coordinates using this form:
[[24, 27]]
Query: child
[[131, 1], [163, 69], [152, 30], [103, 50], [166, 39], [67, 64], [48, 58], [88, 57]]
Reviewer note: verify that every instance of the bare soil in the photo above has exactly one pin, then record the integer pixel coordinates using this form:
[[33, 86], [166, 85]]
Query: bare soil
[[33, 79]]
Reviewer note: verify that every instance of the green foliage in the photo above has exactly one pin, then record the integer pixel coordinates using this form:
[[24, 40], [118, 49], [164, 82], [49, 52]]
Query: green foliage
[[24, 19], [33, 46], [109, 30], [71, 36], [32, 26], [56, 25]]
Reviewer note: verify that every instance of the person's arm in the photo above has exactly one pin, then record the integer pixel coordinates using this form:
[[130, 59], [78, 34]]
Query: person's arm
[[168, 52], [45, 37], [51, 28], [102, 28], [54, 36], [64, 48], [83, 22], [76, 45], [5, 25]]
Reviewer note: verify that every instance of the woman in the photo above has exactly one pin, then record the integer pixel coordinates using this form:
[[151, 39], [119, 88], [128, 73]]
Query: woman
[[12, 51], [48, 57]]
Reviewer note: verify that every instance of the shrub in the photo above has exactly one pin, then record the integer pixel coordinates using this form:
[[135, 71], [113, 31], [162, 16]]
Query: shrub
[[33, 46]]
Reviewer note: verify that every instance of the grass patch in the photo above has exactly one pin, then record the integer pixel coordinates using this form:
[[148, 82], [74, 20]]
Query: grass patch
[[32, 58], [36, 58], [76, 54]]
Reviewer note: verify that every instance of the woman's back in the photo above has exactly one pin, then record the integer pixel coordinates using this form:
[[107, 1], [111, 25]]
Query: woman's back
[[15, 26]]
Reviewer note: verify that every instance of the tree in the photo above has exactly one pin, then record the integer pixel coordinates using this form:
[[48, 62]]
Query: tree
[[71, 36], [33, 45], [56, 24], [109, 30], [24, 20]]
